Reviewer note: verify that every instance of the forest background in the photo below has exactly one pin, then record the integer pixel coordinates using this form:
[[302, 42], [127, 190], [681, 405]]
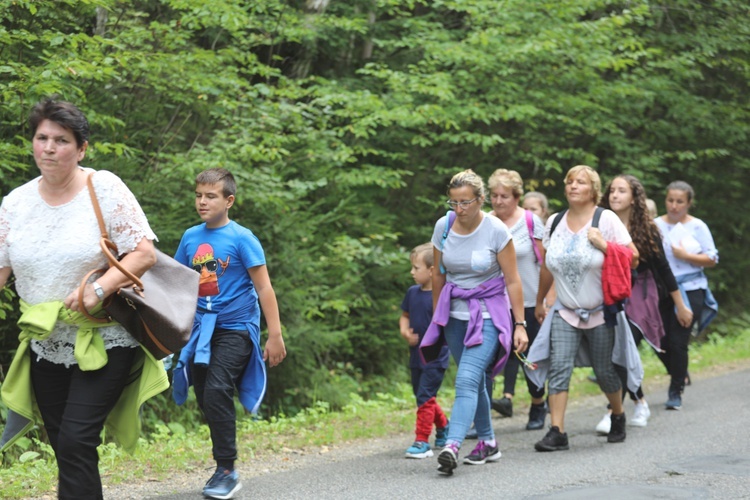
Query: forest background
[[344, 120]]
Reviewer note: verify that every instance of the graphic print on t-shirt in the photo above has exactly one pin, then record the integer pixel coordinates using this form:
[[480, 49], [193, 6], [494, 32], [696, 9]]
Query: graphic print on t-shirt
[[207, 265]]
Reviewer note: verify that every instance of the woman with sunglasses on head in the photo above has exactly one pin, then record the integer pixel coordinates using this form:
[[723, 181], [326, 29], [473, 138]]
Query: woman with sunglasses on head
[[575, 258], [626, 197], [506, 189], [689, 247], [473, 293]]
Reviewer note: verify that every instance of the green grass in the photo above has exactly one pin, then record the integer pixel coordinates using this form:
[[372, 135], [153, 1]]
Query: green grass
[[29, 470]]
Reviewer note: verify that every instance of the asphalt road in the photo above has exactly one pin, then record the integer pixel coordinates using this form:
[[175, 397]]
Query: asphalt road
[[700, 452]]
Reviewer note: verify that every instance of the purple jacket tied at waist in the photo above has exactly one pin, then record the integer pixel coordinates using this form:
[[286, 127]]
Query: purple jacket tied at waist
[[495, 300]]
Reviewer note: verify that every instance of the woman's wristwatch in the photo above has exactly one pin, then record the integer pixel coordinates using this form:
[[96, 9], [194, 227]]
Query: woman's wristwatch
[[520, 323], [98, 290]]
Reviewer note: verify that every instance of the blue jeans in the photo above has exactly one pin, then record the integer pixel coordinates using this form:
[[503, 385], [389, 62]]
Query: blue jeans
[[472, 401]]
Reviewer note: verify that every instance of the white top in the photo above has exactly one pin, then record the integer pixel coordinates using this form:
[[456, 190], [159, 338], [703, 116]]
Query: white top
[[51, 248], [471, 259], [576, 265], [528, 267], [694, 232]]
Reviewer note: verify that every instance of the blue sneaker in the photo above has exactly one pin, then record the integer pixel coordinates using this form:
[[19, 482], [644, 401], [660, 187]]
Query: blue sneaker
[[419, 449], [223, 484], [441, 436], [674, 402]]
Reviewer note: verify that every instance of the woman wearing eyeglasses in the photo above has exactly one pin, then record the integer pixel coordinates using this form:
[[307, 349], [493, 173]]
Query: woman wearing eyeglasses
[[476, 287], [575, 257]]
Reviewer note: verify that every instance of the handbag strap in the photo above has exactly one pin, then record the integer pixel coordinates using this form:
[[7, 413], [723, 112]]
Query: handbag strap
[[108, 247]]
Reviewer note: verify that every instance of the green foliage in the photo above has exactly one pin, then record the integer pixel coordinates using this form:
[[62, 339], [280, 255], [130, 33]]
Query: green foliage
[[343, 126]]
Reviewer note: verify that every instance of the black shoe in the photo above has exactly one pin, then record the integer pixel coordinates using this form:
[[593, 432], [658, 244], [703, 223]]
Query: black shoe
[[617, 430], [537, 414], [503, 406], [472, 433], [553, 441]]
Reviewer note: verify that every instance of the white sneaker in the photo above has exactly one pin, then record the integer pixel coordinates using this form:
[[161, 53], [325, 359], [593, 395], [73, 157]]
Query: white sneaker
[[640, 415], [604, 424]]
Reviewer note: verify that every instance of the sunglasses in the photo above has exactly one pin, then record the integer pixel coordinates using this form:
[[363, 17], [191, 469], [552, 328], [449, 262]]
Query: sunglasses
[[525, 361], [211, 266]]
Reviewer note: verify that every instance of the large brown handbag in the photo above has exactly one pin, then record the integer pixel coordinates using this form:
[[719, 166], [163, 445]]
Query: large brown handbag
[[158, 309]]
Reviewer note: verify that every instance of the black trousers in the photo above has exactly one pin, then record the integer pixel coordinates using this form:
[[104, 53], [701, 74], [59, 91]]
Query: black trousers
[[74, 405], [676, 339], [214, 386], [510, 373]]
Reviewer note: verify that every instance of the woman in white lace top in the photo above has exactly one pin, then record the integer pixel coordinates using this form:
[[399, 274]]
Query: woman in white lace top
[[49, 239]]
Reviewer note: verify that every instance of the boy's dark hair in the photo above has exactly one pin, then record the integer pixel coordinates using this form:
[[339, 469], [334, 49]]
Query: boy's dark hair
[[216, 176], [63, 113], [425, 250]]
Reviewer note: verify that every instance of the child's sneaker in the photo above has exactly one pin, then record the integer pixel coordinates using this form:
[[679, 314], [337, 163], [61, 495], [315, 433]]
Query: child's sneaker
[[441, 436], [419, 449], [448, 459], [223, 484], [483, 453]]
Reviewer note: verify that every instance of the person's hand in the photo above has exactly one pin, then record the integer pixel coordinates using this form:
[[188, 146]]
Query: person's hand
[[680, 252], [90, 299], [520, 339], [275, 351], [596, 239], [540, 312], [685, 316], [411, 338]]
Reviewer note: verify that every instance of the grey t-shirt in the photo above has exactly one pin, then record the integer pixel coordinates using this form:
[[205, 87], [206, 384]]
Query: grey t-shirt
[[471, 259]]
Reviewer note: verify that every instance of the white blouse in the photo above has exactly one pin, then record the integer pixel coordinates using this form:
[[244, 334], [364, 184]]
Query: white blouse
[[51, 248]]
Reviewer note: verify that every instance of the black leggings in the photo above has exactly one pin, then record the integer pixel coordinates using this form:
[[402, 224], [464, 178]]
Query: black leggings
[[510, 372], [677, 337]]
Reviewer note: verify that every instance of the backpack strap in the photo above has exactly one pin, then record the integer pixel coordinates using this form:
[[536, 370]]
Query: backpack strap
[[530, 226], [559, 216], [450, 218], [556, 221], [597, 216]]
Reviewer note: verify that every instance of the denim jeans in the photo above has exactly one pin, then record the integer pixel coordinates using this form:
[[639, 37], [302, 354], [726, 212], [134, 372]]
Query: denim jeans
[[472, 401], [74, 405], [214, 387]]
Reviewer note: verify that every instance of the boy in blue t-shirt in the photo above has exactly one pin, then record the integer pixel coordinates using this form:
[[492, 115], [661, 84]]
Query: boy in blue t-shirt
[[425, 378], [224, 349]]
